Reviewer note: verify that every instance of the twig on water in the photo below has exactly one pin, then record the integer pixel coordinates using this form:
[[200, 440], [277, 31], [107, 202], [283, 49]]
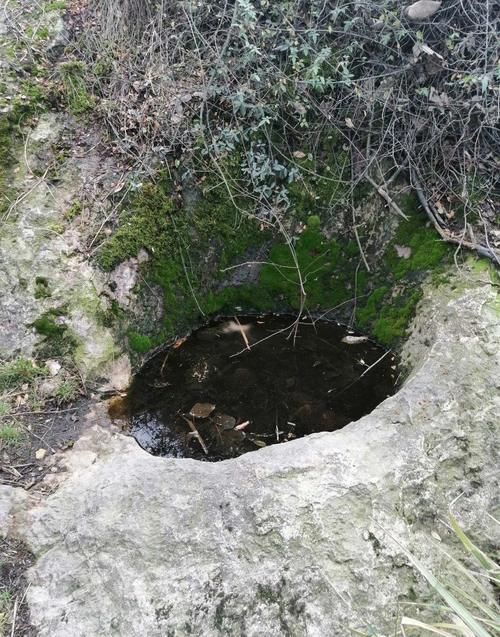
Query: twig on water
[[243, 335], [196, 433], [389, 351]]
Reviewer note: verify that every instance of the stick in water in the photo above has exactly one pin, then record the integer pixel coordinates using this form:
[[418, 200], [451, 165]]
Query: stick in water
[[247, 344], [197, 434]]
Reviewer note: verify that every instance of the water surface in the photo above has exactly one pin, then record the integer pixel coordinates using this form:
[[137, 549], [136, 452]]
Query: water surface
[[243, 383]]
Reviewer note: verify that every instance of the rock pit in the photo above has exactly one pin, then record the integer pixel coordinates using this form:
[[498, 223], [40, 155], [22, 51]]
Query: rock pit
[[307, 538]]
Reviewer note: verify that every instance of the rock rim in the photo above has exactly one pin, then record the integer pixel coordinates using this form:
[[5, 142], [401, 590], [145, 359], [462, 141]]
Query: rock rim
[[305, 538]]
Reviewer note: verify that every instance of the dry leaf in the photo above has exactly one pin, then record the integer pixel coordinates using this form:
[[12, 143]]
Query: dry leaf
[[422, 9], [179, 342], [201, 410], [354, 340], [242, 426], [230, 327], [429, 51], [443, 212], [225, 422], [259, 443]]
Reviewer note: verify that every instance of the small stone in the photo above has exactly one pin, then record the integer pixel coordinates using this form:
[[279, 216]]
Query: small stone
[[40, 454], [54, 367], [48, 387]]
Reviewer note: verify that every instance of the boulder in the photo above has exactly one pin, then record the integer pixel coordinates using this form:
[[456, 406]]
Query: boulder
[[303, 538]]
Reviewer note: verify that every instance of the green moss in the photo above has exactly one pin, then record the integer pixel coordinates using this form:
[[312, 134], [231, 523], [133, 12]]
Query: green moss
[[58, 342], [427, 249], [320, 265], [239, 298], [369, 311], [75, 88], [42, 288], [188, 248], [394, 318], [145, 224], [74, 211], [56, 5], [139, 343], [389, 308], [49, 325]]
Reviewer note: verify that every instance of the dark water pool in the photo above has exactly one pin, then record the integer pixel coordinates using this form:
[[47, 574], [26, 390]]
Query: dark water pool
[[244, 383]]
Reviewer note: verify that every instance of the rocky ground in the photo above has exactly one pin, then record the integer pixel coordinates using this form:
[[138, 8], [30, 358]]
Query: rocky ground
[[99, 538], [54, 335]]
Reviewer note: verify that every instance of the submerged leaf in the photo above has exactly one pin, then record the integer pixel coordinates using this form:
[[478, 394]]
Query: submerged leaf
[[259, 443], [201, 410]]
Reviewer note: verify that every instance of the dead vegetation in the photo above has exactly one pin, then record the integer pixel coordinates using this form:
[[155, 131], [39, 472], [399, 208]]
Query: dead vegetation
[[15, 559], [364, 93]]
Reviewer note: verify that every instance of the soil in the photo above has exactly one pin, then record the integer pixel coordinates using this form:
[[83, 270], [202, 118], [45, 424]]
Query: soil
[[211, 397], [50, 430], [15, 559]]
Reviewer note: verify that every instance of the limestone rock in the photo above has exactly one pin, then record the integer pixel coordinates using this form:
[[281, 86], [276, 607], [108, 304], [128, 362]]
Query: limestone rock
[[119, 375], [11, 500], [29, 248], [123, 279], [293, 539]]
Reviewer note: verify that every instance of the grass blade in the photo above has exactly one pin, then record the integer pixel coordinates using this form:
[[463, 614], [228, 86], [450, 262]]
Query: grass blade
[[432, 628], [483, 559], [450, 600]]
